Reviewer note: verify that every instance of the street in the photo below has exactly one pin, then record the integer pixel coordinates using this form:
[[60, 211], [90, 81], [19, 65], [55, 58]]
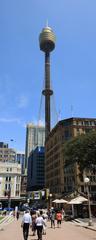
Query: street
[[68, 231]]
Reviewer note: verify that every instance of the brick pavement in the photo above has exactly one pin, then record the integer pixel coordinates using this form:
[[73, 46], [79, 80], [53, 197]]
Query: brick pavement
[[68, 231]]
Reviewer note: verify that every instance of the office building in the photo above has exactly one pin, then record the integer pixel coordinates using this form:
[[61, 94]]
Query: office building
[[35, 136], [36, 169], [7, 154], [20, 158], [23, 185]]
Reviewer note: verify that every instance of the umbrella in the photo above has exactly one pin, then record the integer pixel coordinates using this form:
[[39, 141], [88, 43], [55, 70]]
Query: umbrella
[[74, 201], [82, 199], [56, 201], [60, 201], [78, 200]]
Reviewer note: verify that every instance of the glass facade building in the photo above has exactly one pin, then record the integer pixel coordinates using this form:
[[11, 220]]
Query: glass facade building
[[36, 169], [35, 136]]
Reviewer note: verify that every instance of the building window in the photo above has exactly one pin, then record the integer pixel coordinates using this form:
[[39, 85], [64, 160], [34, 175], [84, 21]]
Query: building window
[[9, 186], [6, 186], [9, 179], [67, 134], [6, 179], [87, 130], [87, 123]]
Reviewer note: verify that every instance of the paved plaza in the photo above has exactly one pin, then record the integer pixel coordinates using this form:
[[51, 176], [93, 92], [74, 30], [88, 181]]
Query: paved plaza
[[68, 231]]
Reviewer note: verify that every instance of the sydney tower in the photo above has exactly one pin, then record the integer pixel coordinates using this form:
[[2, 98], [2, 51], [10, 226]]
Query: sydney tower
[[47, 44]]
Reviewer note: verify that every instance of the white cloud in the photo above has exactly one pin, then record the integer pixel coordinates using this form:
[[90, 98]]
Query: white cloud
[[24, 125], [10, 120], [13, 120], [41, 123], [22, 101]]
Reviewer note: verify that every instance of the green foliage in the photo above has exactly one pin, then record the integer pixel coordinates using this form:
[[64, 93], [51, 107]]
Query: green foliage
[[81, 149]]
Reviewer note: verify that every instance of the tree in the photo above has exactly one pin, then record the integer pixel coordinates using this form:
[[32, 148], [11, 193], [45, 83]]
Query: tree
[[81, 149]]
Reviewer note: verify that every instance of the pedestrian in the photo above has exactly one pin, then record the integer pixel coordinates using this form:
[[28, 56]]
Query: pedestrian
[[58, 218], [52, 218], [44, 224], [39, 225], [26, 222], [48, 213], [17, 215], [45, 218], [33, 215], [63, 213]]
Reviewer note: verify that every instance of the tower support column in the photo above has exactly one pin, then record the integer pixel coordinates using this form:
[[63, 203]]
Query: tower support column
[[47, 94]]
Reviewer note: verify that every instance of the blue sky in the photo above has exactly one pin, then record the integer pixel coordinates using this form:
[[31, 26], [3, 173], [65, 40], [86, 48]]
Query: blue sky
[[73, 62]]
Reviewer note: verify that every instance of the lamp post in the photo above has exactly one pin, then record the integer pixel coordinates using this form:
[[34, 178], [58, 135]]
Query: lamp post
[[0, 182], [1, 192], [28, 201], [9, 198], [50, 200], [86, 181]]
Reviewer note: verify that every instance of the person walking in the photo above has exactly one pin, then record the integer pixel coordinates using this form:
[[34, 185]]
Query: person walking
[[39, 225], [52, 218], [26, 222], [45, 218], [63, 214], [33, 216], [17, 215], [59, 218]]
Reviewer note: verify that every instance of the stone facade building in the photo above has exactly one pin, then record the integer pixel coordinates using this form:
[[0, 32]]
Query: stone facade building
[[58, 178], [10, 175], [7, 154]]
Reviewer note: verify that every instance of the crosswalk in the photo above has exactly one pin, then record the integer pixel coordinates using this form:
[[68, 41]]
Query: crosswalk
[[6, 220]]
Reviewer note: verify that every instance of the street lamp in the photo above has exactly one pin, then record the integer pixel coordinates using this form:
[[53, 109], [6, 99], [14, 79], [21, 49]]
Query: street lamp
[[0, 191], [50, 200], [9, 198], [0, 181], [86, 181], [28, 201]]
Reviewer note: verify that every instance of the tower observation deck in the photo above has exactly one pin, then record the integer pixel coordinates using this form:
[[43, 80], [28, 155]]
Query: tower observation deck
[[47, 45]]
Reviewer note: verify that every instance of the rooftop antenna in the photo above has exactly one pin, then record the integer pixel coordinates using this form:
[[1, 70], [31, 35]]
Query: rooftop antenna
[[72, 112], [47, 23], [59, 115]]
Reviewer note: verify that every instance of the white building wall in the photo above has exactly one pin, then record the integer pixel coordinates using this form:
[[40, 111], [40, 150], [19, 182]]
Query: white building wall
[[8, 174]]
